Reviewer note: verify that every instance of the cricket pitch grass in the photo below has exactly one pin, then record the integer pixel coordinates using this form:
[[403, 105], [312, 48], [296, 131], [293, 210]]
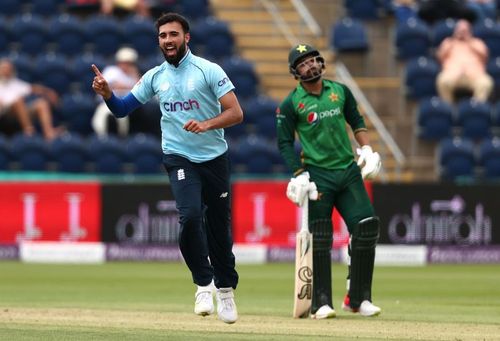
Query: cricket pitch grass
[[154, 301]]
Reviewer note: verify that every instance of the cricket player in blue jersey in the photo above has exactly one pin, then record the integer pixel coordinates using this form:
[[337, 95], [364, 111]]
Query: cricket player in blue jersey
[[197, 101]]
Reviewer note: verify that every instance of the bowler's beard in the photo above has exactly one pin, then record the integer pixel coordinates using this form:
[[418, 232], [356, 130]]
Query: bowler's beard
[[178, 56]]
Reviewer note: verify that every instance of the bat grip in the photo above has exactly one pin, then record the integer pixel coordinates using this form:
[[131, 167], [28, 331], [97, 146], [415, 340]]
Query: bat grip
[[304, 226]]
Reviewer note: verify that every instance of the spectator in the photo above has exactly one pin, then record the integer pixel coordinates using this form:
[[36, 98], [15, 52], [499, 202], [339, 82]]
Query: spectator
[[463, 59], [121, 78], [140, 7], [432, 11], [23, 99]]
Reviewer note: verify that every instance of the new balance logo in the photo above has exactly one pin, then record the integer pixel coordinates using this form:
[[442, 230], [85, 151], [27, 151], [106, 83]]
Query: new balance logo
[[180, 174], [223, 195]]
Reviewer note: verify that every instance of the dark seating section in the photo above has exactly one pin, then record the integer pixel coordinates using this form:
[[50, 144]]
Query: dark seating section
[[54, 42]]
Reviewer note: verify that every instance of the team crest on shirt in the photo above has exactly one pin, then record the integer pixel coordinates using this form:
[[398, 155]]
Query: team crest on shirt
[[301, 107], [333, 97], [312, 117], [190, 84]]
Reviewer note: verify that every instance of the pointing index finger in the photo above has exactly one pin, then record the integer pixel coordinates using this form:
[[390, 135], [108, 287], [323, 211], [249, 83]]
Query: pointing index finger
[[96, 70]]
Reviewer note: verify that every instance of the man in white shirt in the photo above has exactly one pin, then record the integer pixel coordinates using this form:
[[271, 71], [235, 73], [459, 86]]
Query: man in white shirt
[[16, 98]]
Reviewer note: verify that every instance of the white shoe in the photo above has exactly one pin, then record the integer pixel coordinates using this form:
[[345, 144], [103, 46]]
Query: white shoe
[[226, 308], [366, 308], [204, 304], [324, 312]]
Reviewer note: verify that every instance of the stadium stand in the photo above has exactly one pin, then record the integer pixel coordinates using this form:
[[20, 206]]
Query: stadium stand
[[107, 153], [412, 39], [144, 153], [69, 153], [434, 119], [489, 158], [420, 77], [5, 155], [349, 35], [31, 153], [474, 119], [456, 158]]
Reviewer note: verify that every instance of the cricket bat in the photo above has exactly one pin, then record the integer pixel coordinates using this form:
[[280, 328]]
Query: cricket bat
[[303, 267]]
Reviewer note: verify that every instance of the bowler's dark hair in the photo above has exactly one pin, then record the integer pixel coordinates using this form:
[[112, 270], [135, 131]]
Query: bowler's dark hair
[[166, 18]]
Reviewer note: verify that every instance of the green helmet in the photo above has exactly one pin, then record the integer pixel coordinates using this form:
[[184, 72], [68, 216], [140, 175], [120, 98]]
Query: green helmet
[[298, 52]]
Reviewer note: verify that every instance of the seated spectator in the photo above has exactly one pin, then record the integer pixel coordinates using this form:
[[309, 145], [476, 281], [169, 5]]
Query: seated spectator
[[432, 11], [463, 59], [121, 78], [22, 99], [139, 7]]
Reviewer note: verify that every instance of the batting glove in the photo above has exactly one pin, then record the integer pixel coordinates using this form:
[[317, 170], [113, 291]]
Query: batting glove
[[370, 160], [300, 187]]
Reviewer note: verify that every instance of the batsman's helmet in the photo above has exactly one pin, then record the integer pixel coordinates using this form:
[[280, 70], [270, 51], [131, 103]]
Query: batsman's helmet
[[297, 53]]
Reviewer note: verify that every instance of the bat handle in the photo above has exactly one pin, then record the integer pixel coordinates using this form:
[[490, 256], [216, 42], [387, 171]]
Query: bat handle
[[304, 226]]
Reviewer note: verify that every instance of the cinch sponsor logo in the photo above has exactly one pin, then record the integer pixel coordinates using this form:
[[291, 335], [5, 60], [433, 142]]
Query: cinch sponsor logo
[[190, 104], [313, 117], [223, 81]]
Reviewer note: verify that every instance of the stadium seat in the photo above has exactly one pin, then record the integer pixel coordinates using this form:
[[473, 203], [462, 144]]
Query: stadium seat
[[151, 61], [362, 9], [107, 154], [105, 34], [266, 125], [25, 67], [145, 154], [68, 35], [141, 35], [456, 158], [195, 9], [489, 31], [53, 71], [442, 29], [255, 155], [349, 35], [4, 34], [493, 69], [5, 154], [217, 39], [30, 33], [262, 105], [489, 158], [30, 152], [474, 118], [412, 39], [242, 74], [45, 8], [77, 111], [70, 154], [82, 72], [10, 7], [434, 118], [420, 77]]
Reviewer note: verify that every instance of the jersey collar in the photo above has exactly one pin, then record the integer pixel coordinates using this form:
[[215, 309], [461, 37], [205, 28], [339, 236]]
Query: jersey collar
[[183, 62], [303, 92]]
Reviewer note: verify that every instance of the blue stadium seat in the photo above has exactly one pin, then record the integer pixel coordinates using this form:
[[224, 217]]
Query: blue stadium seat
[[31, 153], [53, 71], [456, 158], [255, 155], [82, 72], [216, 37], [68, 34], [266, 125], [30, 32], [107, 153], [194, 9], [489, 31], [149, 62], [442, 29], [493, 69], [5, 154], [45, 8], [77, 111], [242, 73], [475, 119], [420, 77], [489, 158], [434, 118], [105, 34], [25, 66], [412, 39], [141, 35], [10, 7], [349, 35], [70, 154], [362, 9], [262, 105], [145, 154], [4, 34]]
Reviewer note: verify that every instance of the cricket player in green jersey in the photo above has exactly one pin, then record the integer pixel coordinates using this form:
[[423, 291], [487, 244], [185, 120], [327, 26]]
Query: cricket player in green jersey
[[318, 111]]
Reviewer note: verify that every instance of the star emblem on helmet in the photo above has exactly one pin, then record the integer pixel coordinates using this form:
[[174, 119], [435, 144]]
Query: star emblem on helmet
[[333, 97], [301, 48]]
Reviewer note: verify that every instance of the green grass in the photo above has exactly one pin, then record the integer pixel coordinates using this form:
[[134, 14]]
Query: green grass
[[154, 301]]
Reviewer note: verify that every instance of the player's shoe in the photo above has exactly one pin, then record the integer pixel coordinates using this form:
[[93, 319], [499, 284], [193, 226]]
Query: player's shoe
[[366, 308], [204, 304], [324, 312], [226, 307]]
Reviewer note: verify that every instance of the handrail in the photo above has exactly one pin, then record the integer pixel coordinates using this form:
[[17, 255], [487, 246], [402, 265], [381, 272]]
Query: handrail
[[303, 11], [280, 22], [346, 77]]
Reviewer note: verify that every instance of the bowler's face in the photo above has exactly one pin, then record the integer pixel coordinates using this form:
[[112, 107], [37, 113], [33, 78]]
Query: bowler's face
[[172, 41]]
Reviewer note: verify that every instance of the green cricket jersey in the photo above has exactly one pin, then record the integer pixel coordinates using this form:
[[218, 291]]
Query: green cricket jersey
[[320, 123]]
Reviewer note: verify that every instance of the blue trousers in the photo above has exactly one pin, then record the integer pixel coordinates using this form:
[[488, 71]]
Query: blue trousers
[[203, 199]]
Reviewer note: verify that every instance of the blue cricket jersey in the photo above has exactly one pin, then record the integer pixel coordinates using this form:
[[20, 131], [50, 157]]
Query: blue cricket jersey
[[189, 91]]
